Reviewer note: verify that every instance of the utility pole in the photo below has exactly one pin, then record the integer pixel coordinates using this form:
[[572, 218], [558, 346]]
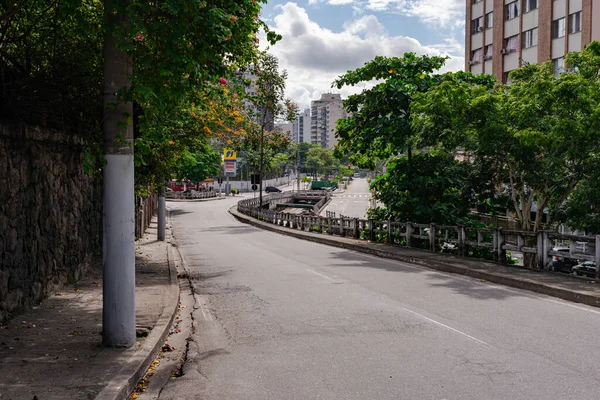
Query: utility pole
[[118, 308], [162, 215]]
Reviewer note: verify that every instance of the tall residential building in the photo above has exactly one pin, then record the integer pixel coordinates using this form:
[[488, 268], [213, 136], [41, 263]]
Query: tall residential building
[[301, 128], [324, 114], [502, 35], [287, 128]]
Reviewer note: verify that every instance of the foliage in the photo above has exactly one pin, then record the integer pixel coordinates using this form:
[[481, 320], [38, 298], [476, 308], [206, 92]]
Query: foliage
[[320, 160], [197, 164], [379, 128], [436, 191], [379, 123], [51, 64], [582, 208], [262, 142], [538, 135]]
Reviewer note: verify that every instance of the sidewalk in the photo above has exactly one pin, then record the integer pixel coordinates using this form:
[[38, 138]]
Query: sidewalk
[[563, 286], [54, 351]]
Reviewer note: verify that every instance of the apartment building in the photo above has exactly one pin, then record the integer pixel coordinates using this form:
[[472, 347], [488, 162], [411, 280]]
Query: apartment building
[[324, 114], [502, 35], [301, 127]]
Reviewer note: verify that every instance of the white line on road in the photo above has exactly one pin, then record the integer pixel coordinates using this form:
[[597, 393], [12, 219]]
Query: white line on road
[[320, 274], [444, 326]]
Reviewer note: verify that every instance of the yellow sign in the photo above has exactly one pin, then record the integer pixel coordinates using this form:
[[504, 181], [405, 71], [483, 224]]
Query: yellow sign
[[229, 155]]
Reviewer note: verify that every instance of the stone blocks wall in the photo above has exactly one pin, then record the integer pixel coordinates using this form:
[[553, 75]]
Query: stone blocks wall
[[50, 214]]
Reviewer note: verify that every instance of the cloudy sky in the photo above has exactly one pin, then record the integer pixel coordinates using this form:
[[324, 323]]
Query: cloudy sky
[[324, 38]]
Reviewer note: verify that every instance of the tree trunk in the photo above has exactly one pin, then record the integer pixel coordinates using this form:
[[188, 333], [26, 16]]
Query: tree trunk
[[260, 165], [118, 314]]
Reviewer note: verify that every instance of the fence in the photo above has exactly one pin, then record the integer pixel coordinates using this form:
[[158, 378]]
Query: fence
[[489, 243], [145, 210], [191, 195]]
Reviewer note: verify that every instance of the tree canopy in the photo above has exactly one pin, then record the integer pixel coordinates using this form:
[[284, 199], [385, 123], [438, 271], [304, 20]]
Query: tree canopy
[[539, 134]]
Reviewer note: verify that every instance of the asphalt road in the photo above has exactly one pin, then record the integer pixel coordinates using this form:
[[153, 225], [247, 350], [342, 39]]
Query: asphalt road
[[354, 202], [281, 318]]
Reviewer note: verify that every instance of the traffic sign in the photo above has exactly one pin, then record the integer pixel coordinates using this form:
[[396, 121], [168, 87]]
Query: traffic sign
[[229, 155], [230, 168], [254, 187]]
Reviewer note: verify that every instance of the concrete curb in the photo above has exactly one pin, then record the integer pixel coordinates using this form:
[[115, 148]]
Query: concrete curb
[[380, 250], [120, 387]]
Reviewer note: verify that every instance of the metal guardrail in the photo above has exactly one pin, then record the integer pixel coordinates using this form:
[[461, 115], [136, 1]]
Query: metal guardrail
[[456, 239]]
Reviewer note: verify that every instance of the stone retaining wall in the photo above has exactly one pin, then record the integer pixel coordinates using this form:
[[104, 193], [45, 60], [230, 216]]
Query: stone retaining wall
[[50, 214]]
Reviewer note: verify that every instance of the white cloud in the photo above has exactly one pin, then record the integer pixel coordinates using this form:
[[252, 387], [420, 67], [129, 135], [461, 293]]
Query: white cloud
[[314, 56], [445, 13], [442, 12]]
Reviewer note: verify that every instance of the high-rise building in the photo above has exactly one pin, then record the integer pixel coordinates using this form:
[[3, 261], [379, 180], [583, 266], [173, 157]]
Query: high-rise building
[[324, 115], [287, 128], [503, 35], [301, 128]]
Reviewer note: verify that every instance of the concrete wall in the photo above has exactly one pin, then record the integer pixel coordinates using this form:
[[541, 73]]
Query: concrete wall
[[50, 214]]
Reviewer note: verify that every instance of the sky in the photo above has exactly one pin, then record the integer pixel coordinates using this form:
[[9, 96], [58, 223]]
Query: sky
[[322, 39]]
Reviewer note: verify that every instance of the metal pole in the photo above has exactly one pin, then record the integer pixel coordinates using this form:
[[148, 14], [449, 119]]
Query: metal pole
[[227, 190], [162, 215]]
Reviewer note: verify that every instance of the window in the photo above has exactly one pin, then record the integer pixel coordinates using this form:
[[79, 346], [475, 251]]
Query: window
[[506, 79], [575, 22], [530, 38], [489, 20], [477, 56], [531, 5], [511, 44], [558, 66], [558, 28], [512, 10], [489, 51], [476, 25], [477, 1]]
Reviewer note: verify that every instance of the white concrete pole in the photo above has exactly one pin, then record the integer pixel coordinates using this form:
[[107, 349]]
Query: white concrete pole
[[118, 308]]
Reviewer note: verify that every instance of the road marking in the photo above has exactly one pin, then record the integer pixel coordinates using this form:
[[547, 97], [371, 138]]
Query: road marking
[[445, 326], [565, 303], [320, 274], [205, 311]]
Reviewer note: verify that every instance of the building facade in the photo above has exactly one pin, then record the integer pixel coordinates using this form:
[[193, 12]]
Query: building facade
[[502, 35], [301, 128], [286, 128], [324, 114]]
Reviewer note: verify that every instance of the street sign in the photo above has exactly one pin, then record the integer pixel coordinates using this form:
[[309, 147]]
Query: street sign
[[254, 187], [230, 168], [229, 155]]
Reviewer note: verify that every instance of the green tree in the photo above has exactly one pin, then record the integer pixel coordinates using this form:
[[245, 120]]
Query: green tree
[[269, 104], [198, 164], [539, 134], [581, 211], [379, 129], [320, 160], [437, 190], [279, 163]]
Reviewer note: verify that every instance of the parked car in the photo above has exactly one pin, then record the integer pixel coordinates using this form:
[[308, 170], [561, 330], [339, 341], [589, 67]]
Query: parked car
[[586, 268], [272, 189], [563, 263]]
